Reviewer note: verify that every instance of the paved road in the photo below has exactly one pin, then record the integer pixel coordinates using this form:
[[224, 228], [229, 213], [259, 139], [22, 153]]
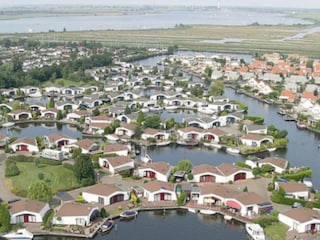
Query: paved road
[[5, 194]]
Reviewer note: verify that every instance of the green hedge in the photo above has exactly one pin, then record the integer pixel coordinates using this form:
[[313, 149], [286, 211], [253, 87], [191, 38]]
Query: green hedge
[[254, 119]]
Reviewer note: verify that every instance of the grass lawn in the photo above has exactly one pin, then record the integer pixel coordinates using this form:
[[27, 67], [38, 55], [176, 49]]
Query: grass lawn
[[276, 231], [57, 177], [67, 83]]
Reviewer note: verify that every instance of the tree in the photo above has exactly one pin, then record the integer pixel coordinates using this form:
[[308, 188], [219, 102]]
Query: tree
[[39, 191], [217, 88], [96, 112], [51, 103], [196, 91], [152, 122], [184, 165], [83, 169], [140, 118], [170, 123], [16, 105], [4, 218], [76, 152], [59, 115], [208, 71]]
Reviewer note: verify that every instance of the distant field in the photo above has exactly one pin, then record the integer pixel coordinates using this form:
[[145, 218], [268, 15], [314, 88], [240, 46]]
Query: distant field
[[247, 39]]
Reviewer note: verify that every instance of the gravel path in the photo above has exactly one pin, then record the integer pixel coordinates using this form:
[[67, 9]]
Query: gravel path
[[5, 194]]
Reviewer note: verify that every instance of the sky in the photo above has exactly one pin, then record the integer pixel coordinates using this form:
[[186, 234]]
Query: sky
[[237, 3]]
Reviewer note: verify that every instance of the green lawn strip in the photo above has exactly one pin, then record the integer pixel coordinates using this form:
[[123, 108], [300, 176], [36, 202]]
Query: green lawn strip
[[57, 177], [276, 231], [66, 83]]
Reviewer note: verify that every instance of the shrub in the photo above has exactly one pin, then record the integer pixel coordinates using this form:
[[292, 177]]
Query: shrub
[[190, 176], [12, 170], [270, 187], [182, 198], [41, 176], [125, 173]]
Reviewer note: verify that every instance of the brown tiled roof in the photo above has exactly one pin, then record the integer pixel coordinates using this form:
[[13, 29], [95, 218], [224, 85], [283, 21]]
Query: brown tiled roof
[[74, 209], [191, 129], [249, 198], [99, 125], [26, 140], [227, 169], [85, 144], [291, 187], [128, 126], [160, 167], [150, 131], [217, 189], [27, 205], [279, 162], [114, 147], [204, 168], [102, 118], [154, 186], [2, 137], [118, 161], [303, 215], [103, 189], [256, 137], [215, 131], [57, 136]]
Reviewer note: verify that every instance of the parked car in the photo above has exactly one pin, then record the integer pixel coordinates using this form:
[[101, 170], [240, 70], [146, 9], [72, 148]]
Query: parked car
[[297, 205]]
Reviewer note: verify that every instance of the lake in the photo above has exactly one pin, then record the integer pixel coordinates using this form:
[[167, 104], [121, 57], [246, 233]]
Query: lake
[[169, 19]]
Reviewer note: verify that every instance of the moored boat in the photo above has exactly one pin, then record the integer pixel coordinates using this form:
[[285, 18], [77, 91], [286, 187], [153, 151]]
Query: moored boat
[[301, 125], [20, 234], [212, 144], [8, 124], [187, 143], [107, 225], [227, 217], [255, 231], [126, 215], [207, 211], [271, 149], [233, 150], [163, 143]]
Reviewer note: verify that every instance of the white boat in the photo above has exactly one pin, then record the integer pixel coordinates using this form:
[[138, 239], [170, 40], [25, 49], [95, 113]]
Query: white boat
[[193, 210], [171, 107], [227, 217], [20, 234], [255, 231], [206, 110], [163, 143], [8, 124], [212, 144], [207, 211], [187, 143], [233, 150], [126, 215], [272, 149]]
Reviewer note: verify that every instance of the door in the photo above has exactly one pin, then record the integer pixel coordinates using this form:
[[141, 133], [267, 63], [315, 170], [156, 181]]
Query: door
[[162, 196], [26, 218]]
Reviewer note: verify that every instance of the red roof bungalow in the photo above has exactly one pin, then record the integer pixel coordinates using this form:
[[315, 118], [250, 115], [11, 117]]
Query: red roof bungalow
[[159, 191], [116, 164], [119, 149], [57, 140], [287, 95], [86, 145], [24, 145], [20, 115], [309, 96], [49, 113], [159, 170]]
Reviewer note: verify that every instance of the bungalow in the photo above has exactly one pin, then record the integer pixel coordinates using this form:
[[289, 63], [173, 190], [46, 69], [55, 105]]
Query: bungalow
[[72, 213], [158, 170], [155, 134], [189, 133], [72, 91], [212, 194], [248, 204], [49, 113], [105, 194], [287, 95], [31, 91], [213, 135], [57, 140], [118, 149], [294, 189], [223, 173], [24, 144], [126, 130], [116, 164], [77, 115], [255, 128], [90, 101], [159, 191], [280, 165], [255, 140], [97, 128], [20, 114], [37, 107], [52, 90], [66, 106], [303, 220], [27, 211], [87, 146], [203, 122], [98, 119]]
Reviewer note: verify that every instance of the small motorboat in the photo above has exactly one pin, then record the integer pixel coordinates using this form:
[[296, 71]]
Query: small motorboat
[[126, 215], [8, 124], [255, 231], [20, 234], [207, 212], [233, 150], [107, 225], [227, 217]]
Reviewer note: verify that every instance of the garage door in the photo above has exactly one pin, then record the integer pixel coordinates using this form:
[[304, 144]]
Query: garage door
[[240, 176]]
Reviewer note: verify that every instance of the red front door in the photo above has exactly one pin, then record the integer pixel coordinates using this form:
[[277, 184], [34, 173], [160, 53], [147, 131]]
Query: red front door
[[26, 218], [162, 196]]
